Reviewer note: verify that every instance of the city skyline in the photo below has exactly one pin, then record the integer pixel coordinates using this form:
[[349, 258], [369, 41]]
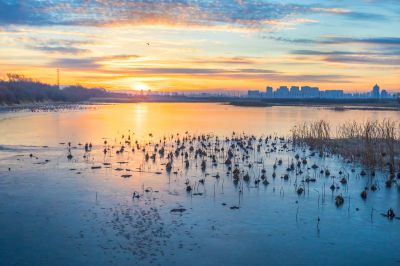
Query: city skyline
[[202, 45], [315, 92]]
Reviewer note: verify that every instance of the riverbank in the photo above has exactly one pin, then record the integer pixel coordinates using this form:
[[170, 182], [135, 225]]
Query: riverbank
[[46, 107], [332, 104]]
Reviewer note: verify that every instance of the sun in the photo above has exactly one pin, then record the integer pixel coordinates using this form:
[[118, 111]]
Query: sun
[[141, 87]]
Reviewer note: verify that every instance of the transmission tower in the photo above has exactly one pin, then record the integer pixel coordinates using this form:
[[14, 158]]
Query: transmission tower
[[58, 78]]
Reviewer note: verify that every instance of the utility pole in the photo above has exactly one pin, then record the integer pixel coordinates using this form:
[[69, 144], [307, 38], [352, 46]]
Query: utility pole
[[58, 78]]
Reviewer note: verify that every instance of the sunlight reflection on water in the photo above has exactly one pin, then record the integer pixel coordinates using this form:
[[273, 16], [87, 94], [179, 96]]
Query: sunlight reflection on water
[[109, 121]]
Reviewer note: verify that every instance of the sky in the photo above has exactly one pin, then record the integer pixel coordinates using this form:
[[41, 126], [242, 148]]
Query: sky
[[203, 45]]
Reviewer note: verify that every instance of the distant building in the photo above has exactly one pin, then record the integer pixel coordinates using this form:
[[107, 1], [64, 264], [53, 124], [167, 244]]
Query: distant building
[[310, 92], [269, 92], [385, 94], [253, 94], [282, 92], [375, 92], [294, 92]]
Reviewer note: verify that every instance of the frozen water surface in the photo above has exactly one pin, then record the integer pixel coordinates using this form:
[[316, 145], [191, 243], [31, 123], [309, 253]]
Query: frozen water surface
[[60, 211]]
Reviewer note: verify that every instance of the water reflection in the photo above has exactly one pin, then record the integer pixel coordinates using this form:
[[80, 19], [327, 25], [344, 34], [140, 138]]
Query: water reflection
[[105, 121]]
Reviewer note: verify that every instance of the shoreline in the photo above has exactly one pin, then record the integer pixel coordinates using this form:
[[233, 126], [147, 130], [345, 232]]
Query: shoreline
[[334, 105], [46, 106]]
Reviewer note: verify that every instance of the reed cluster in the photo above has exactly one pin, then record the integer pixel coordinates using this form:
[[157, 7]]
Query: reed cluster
[[375, 144]]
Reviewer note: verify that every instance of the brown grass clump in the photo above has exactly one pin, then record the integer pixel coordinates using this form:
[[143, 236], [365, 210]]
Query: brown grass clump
[[373, 143], [315, 134]]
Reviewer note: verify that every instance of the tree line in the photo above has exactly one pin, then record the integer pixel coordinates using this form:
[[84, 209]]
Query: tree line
[[18, 89]]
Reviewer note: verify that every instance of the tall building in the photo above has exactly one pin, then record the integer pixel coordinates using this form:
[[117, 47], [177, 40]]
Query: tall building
[[282, 92], [375, 91], [310, 92], [384, 94], [294, 92], [269, 92]]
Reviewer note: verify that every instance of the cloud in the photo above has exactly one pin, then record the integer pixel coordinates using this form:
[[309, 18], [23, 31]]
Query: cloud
[[75, 64], [377, 40], [119, 57], [88, 63], [196, 71], [363, 60], [342, 40], [60, 49], [330, 78], [243, 74], [313, 52], [331, 10], [208, 73], [233, 60], [385, 57], [364, 16], [349, 14], [100, 61], [253, 14], [58, 46]]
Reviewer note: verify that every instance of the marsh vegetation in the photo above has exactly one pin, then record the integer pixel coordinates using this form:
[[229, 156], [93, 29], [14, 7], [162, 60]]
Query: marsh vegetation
[[375, 144]]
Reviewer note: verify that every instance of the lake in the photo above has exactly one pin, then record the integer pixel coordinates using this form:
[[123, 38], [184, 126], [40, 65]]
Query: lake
[[84, 209], [50, 128]]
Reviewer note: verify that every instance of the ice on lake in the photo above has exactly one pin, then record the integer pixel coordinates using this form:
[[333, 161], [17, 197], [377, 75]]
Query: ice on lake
[[121, 208]]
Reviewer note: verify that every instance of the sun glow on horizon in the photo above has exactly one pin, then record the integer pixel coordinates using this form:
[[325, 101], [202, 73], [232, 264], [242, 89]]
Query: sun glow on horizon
[[139, 86]]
